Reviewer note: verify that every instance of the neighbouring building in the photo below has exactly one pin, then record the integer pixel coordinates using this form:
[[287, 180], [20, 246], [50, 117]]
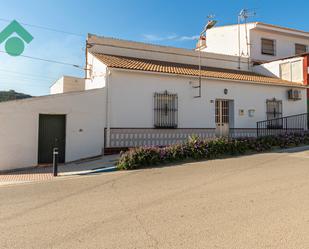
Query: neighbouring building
[[293, 68], [260, 42], [67, 84], [140, 94]]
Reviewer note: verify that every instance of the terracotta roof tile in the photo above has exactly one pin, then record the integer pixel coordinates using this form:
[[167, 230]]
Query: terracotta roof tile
[[115, 61]]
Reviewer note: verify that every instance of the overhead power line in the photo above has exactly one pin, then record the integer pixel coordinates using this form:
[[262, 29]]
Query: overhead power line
[[48, 60], [46, 28], [23, 77], [27, 74], [20, 82]]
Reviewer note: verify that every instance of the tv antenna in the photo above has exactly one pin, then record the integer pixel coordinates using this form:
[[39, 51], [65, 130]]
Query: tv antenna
[[243, 16], [210, 24]]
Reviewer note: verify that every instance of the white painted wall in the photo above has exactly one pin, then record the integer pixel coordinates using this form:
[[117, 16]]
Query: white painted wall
[[96, 73], [224, 40], [132, 100], [272, 69], [285, 44], [67, 84], [20, 120]]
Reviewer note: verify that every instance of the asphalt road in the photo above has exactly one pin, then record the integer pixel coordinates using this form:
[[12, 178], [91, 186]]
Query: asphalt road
[[259, 201]]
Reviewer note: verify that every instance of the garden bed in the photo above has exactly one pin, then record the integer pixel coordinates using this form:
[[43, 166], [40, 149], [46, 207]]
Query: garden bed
[[198, 149]]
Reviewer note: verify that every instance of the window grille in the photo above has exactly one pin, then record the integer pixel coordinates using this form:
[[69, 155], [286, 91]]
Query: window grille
[[268, 47], [274, 111], [165, 110]]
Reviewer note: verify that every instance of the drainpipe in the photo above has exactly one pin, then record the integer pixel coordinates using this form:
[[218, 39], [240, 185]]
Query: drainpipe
[[108, 108]]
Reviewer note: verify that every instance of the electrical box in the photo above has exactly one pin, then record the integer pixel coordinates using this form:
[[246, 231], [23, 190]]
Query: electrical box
[[251, 113]]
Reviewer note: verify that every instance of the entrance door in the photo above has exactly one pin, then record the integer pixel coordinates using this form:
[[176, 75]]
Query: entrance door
[[222, 118], [51, 135]]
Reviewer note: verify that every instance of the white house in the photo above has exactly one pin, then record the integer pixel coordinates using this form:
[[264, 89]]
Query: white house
[[151, 87], [260, 42], [140, 94]]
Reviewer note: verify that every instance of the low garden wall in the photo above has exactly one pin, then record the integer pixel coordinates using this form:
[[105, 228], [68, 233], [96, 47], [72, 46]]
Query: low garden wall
[[199, 149]]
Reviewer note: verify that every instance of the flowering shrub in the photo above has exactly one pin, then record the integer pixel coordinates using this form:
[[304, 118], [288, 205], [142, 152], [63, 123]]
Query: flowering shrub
[[196, 149]]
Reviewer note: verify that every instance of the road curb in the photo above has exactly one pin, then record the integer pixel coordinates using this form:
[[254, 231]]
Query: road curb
[[101, 170]]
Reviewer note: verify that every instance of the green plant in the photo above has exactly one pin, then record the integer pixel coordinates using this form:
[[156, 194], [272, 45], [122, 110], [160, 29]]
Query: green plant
[[196, 149]]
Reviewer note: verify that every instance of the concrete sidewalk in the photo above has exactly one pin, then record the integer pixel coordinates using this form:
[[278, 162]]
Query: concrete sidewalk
[[84, 167]]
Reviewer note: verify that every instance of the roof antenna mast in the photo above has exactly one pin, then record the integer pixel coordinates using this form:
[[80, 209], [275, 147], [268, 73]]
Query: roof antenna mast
[[201, 45], [243, 16]]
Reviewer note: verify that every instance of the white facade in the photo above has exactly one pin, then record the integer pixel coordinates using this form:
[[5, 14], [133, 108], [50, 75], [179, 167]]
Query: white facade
[[67, 84], [224, 40], [96, 73], [132, 100], [130, 107], [85, 124]]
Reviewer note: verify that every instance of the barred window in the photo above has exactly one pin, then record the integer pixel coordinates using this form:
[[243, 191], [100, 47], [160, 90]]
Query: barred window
[[165, 110], [300, 49], [274, 109], [268, 47]]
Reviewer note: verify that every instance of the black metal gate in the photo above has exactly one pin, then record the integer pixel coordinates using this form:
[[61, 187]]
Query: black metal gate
[[51, 134]]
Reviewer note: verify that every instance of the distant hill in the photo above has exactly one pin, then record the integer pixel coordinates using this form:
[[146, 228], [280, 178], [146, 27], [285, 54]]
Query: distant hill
[[12, 95]]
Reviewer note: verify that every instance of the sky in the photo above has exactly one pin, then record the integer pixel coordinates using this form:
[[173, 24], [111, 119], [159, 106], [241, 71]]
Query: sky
[[172, 23]]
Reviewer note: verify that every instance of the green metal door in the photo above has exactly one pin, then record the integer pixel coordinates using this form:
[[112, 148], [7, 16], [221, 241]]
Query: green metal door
[[51, 135]]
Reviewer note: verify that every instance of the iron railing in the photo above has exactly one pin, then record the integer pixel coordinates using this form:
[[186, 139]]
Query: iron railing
[[284, 125]]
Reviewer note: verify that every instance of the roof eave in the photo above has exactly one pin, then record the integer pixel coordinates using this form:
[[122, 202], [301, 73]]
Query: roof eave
[[295, 85], [279, 29]]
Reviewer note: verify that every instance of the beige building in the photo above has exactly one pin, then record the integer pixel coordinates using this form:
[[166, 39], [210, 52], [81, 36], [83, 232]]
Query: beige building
[[67, 84]]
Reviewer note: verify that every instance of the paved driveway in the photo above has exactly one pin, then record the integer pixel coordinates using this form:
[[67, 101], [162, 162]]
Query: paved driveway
[[259, 201]]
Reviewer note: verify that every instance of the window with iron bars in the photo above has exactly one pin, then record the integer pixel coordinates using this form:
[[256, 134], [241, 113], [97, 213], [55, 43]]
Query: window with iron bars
[[165, 110], [274, 111]]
